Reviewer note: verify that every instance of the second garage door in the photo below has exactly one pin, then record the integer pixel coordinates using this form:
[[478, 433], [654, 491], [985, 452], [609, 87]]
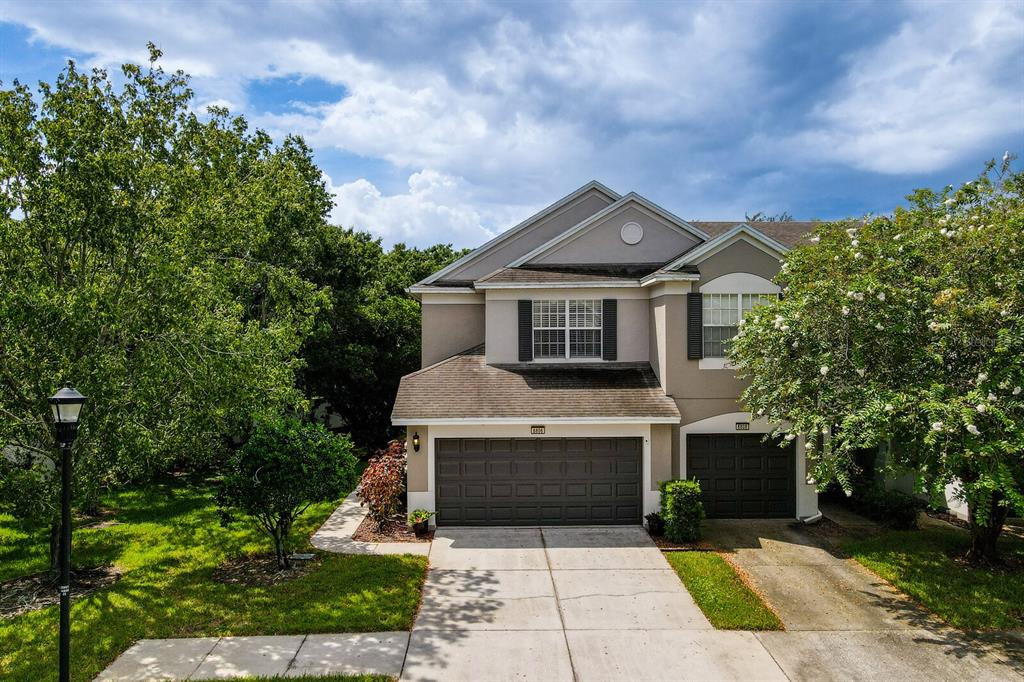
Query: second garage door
[[741, 476], [538, 481]]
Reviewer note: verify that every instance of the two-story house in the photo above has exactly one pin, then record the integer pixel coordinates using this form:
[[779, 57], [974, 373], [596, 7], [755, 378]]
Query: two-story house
[[578, 359]]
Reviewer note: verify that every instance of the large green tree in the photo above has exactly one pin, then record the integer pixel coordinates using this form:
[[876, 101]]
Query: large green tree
[[147, 255], [370, 335], [906, 329]]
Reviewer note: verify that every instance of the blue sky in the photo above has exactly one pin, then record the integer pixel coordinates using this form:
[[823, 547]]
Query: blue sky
[[451, 122]]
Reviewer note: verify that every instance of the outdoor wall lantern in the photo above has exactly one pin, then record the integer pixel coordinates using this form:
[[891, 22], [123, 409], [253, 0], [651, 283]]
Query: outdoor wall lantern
[[66, 405], [416, 441]]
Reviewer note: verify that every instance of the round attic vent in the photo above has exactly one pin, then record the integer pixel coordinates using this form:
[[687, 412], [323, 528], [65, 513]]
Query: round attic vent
[[631, 233]]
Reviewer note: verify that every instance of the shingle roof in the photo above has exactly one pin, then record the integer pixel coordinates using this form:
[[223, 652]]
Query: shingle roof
[[788, 232], [521, 275], [466, 387]]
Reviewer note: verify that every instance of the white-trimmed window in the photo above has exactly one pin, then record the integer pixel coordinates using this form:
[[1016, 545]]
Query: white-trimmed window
[[565, 329], [722, 315]]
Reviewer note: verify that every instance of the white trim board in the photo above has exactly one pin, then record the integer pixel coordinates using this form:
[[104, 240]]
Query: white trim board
[[743, 232], [486, 421], [672, 220], [513, 231]]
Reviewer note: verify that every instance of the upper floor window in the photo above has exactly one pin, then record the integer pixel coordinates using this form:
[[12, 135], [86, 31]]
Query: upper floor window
[[722, 315], [567, 329]]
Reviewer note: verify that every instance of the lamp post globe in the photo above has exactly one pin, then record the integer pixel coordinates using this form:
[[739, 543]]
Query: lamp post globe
[[66, 405]]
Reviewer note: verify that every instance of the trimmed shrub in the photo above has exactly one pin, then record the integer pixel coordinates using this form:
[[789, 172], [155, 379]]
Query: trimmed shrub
[[380, 489], [655, 524], [682, 510], [284, 467], [890, 507]]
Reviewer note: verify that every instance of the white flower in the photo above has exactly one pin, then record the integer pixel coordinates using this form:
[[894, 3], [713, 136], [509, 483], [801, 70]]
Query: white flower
[[858, 255], [943, 232], [889, 407], [815, 239], [881, 295], [900, 249], [943, 220], [846, 311], [855, 242], [898, 237], [936, 426], [861, 371], [991, 397], [949, 202], [982, 377], [852, 231], [973, 429], [824, 370], [859, 296], [1016, 390], [790, 436], [981, 407], [879, 326], [795, 344], [760, 413]]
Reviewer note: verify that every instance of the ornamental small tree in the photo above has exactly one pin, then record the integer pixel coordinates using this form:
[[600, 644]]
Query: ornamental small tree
[[284, 467], [906, 329], [382, 483]]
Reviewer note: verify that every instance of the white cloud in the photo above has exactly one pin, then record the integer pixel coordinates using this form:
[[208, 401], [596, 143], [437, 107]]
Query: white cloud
[[432, 210], [928, 96]]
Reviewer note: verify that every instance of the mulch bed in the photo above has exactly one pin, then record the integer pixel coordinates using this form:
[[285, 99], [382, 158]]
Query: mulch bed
[[395, 530], [666, 545], [32, 592], [260, 570], [948, 518]]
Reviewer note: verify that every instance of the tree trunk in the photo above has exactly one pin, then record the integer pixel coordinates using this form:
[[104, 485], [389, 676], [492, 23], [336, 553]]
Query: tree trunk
[[283, 529], [54, 548], [983, 538]]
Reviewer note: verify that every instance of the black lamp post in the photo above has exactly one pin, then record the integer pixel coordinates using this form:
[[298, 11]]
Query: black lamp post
[[67, 406]]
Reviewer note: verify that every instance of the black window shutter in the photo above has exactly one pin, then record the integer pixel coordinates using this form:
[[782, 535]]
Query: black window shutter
[[609, 329], [525, 331], [694, 326]]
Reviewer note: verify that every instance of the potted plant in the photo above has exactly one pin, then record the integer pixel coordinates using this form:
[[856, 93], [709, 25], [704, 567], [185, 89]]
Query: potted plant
[[419, 519]]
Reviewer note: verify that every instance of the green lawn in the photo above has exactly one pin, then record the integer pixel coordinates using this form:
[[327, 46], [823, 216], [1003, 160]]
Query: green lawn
[[921, 564], [168, 542], [723, 597]]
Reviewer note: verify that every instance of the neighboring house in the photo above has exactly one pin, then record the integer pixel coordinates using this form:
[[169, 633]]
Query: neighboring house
[[577, 360]]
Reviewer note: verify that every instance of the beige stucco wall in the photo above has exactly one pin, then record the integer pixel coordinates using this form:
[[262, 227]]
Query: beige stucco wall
[[661, 453], [502, 332], [417, 472], [533, 236], [602, 243], [740, 256], [502, 321], [449, 328]]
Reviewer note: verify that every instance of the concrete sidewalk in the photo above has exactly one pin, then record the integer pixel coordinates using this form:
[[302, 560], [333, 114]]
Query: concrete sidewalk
[[335, 535], [209, 658]]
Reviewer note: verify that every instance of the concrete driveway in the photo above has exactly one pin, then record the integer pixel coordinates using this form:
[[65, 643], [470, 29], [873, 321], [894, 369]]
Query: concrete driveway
[[844, 622], [566, 604]]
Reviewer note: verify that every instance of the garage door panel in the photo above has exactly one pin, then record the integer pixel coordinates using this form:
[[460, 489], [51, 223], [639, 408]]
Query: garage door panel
[[538, 481], [741, 476], [500, 468], [625, 467]]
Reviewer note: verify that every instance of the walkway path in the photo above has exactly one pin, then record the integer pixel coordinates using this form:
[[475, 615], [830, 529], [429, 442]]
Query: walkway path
[[206, 658], [335, 535]]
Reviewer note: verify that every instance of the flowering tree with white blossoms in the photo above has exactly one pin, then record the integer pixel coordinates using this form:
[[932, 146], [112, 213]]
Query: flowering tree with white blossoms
[[906, 329]]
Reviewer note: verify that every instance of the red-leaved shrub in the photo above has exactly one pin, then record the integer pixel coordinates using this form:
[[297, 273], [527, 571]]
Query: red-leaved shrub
[[382, 483]]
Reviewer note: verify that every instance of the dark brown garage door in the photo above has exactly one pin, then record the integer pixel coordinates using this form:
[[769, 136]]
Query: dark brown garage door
[[741, 476], [538, 481]]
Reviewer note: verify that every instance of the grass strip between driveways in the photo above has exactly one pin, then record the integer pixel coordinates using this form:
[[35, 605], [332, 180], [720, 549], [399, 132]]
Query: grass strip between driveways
[[166, 542], [726, 600], [924, 564]]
